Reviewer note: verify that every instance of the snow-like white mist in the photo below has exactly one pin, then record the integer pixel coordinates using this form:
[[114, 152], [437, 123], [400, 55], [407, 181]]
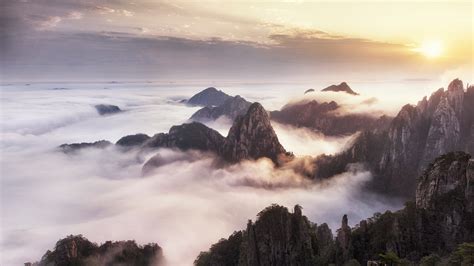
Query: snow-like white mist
[[184, 206]]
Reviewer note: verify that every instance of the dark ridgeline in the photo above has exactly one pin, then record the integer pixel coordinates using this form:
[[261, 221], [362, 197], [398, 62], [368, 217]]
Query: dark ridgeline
[[251, 137], [208, 97], [439, 221], [231, 108], [77, 250], [74, 147], [322, 117], [342, 87], [417, 135]]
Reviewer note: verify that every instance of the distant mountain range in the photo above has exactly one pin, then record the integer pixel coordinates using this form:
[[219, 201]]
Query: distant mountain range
[[317, 116], [395, 150], [251, 137]]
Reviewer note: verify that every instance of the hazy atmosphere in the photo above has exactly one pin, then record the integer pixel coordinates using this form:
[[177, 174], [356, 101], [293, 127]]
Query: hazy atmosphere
[[331, 117]]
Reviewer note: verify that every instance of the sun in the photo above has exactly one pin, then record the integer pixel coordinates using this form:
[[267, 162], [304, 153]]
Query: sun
[[431, 49]]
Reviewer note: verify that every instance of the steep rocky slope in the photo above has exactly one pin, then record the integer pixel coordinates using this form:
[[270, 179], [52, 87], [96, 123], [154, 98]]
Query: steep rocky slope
[[208, 97], [251, 137], [416, 136], [231, 108], [77, 250], [440, 220]]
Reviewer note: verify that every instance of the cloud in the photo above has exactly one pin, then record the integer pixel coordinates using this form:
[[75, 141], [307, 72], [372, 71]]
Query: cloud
[[49, 22], [185, 205], [74, 15]]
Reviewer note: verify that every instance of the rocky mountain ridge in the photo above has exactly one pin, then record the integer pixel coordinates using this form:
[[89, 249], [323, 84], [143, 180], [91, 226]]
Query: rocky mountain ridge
[[251, 137], [77, 250], [416, 136], [438, 222], [322, 117]]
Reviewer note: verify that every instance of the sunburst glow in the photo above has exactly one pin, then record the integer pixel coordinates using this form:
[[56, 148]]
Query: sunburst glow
[[431, 49]]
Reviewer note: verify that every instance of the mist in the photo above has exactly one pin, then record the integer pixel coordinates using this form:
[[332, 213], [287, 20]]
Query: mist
[[184, 205]]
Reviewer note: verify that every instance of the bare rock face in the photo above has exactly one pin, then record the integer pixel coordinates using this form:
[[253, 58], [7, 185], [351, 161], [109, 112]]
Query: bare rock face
[[208, 97], [446, 192], [343, 87], [77, 250], [231, 108], [444, 132], [252, 137]]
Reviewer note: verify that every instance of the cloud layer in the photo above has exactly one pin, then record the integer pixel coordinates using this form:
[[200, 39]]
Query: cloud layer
[[184, 205]]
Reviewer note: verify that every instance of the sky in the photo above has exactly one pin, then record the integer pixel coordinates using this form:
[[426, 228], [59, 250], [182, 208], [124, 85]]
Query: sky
[[235, 40]]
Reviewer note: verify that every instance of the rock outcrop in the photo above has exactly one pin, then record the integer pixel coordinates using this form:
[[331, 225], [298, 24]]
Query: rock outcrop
[[107, 109], [186, 137], [132, 140], [417, 135], [322, 117], [251, 137], [208, 97], [278, 237], [344, 249], [74, 147], [77, 250], [342, 87], [440, 220], [231, 108]]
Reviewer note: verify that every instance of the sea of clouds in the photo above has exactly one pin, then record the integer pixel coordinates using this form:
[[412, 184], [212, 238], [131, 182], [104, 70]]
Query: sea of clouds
[[184, 205]]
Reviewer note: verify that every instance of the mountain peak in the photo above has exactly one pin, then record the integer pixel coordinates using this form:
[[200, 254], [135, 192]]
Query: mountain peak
[[456, 85], [342, 87], [257, 109], [209, 97], [252, 136]]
